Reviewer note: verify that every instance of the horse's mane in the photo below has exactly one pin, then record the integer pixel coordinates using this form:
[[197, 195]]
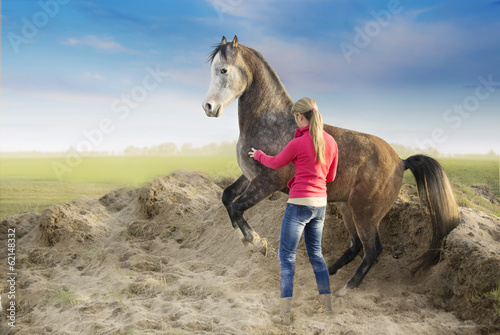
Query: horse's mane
[[217, 47], [270, 70]]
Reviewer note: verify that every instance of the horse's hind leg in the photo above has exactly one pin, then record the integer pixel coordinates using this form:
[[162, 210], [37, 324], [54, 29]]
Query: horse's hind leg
[[233, 191], [372, 248], [355, 246], [366, 215]]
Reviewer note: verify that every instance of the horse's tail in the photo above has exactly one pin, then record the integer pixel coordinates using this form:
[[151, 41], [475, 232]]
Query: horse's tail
[[435, 188]]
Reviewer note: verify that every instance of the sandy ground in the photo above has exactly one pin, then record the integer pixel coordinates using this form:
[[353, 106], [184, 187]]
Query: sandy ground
[[164, 259]]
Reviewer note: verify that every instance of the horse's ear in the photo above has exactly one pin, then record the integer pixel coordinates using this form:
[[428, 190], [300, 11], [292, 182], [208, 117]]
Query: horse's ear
[[235, 41], [224, 41]]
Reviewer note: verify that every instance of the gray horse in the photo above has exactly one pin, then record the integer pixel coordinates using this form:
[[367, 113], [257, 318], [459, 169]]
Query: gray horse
[[369, 175]]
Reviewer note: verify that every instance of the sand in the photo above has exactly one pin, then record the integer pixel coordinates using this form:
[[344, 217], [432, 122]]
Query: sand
[[164, 259]]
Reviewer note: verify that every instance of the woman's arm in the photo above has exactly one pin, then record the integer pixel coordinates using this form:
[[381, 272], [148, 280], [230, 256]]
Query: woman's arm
[[278, 161]]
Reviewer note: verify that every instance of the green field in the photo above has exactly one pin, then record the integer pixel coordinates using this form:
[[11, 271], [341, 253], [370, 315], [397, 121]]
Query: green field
[[475, 180], [481, 171], [34, 183]]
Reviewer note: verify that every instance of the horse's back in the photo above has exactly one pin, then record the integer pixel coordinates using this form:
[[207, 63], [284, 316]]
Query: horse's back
[[362, 158]]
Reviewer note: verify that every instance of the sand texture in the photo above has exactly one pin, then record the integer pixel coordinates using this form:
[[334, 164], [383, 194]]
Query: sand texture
[[164, 259]]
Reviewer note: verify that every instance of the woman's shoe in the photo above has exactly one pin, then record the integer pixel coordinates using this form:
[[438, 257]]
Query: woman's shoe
[[285, 311], [326, 301]]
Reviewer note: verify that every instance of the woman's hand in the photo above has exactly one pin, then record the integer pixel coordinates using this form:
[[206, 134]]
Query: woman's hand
[[252, 153]]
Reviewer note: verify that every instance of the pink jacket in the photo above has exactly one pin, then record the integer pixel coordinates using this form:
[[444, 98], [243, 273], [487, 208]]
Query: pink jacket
[[310, 177]]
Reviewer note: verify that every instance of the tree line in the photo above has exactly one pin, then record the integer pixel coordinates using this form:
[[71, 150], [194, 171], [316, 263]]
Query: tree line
[[187, 149]]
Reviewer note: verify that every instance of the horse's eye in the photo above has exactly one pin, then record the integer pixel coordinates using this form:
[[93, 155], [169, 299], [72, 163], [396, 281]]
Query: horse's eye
[[223, 71]]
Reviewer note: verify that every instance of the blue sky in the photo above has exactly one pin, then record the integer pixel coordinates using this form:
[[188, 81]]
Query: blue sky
[[418, 73]]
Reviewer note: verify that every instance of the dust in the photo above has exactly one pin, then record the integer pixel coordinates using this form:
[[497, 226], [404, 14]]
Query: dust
[[164, 259]]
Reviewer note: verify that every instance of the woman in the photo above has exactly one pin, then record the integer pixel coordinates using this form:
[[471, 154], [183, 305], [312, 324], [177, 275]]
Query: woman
[[314, 154]]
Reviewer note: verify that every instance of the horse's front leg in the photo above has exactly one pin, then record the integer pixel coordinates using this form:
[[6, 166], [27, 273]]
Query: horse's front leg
[[233, 191], [259, 188]]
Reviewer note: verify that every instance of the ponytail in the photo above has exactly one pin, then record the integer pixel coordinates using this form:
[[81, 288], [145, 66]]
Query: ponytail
[[316, 131], [309, 109]]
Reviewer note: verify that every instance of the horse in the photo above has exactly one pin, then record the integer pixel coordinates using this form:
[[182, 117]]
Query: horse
[[369, 172]]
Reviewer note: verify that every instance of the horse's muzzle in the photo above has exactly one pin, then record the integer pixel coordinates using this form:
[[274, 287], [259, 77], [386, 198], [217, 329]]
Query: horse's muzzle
[[211, 111]]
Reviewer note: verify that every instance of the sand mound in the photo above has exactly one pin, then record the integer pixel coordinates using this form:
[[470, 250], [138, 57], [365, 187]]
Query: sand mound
[[467, 281], [80, 220], [164, 259]]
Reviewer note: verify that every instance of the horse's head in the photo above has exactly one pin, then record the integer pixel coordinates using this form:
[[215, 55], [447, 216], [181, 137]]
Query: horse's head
[[229, 77]]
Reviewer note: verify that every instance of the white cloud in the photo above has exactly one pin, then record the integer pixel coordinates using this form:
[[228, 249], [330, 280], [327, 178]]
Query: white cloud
[[405, 47], [257, 9], [406, 43], [97, 42], [96, 76]]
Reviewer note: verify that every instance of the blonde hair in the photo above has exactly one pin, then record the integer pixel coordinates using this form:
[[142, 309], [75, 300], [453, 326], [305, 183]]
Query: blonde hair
[[307, 107]]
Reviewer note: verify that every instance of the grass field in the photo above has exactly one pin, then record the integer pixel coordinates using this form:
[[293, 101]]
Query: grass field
[[33, 184], [469, 172], [475, 181]]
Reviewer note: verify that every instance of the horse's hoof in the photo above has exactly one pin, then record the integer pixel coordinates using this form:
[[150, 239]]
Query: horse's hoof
[[263, 247], [259, 243], [342, 292], [331, 271]]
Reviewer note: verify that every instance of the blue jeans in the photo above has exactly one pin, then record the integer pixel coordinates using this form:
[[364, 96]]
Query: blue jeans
[[298, 219]]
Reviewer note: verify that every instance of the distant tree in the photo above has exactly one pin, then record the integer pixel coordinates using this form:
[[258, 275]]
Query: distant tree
[[492, 153], [227, 148], [132, 150], [167, 148], [186, 148], [402, 150], [210, 149], [406, 151], [171, 149]]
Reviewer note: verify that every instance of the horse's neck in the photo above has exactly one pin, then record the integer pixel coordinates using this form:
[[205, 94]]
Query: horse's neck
[[265, 103]]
